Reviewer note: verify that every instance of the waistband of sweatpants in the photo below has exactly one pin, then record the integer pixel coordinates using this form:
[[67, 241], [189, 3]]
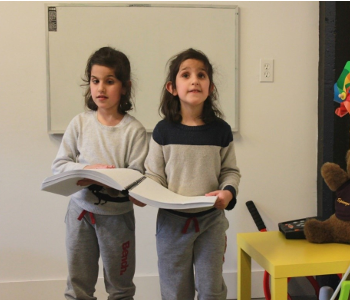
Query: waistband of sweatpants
[[190, 215]]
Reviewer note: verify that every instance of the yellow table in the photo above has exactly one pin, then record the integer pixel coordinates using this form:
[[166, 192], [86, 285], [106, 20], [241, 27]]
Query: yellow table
[[283, 258]]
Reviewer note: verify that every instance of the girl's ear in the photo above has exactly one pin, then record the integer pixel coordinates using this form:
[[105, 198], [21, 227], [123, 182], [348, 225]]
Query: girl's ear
[[169, 87], [125, 88], [211, 88]]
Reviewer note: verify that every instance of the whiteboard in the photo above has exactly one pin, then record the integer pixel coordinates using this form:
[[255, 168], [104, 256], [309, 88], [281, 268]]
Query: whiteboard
[[149, 35]]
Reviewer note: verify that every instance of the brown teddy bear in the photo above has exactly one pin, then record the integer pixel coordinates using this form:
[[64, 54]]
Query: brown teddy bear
[[336, 229]]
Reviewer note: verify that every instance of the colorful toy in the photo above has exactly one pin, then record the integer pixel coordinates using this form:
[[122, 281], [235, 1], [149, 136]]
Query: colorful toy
[[341, 91], [335, 229]]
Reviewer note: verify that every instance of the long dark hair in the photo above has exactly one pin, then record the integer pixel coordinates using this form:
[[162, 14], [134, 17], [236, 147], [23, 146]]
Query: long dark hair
[[170, 106], [119, 62]]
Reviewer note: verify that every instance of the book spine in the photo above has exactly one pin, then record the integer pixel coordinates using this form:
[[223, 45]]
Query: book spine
[[132, 185]]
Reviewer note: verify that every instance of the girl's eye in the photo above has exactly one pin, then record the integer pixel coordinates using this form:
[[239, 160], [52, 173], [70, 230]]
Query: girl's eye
[[110, 82], [185, 75], [94, 81], [201, 75]]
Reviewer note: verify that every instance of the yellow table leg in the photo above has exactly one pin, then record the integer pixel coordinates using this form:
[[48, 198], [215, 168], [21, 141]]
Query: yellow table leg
[[244, 277], [279, 288]]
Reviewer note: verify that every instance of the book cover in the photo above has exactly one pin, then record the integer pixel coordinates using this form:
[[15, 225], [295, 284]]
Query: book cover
[[138, 186]]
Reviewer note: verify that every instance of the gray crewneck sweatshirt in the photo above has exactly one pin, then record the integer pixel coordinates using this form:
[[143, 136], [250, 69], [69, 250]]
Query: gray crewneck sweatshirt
[[86, 142]]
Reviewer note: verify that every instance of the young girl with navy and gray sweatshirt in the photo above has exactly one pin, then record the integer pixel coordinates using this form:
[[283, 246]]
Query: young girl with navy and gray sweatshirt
[[192, 153]]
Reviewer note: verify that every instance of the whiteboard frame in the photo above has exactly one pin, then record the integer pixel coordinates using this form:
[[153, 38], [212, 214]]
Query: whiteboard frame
[[124, 4]]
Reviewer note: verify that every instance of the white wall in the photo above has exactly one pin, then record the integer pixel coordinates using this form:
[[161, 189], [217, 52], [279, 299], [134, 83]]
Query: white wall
[[276, 146]]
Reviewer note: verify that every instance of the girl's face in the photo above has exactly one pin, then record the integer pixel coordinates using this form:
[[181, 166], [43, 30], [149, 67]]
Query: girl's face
[[192, 84], [106, 89]]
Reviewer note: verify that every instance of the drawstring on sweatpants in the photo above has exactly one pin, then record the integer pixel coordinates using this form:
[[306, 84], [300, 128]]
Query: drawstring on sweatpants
[[190, 217], [188, 222], [92, 217]]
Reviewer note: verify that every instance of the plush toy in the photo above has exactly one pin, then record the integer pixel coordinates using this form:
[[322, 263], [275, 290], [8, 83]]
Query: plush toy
[[336, 229]]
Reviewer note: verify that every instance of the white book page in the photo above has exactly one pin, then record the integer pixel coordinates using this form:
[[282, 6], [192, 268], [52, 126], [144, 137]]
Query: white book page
[[119, 178], [154, 194]]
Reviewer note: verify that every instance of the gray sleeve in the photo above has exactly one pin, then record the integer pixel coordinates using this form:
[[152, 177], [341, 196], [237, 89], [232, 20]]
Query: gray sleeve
[[230, 174], [155, 164], [138, 150], [66, 158]]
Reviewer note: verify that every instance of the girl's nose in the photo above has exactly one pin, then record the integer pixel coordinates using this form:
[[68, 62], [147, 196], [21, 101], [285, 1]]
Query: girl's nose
[[195, 80], [101, 87]]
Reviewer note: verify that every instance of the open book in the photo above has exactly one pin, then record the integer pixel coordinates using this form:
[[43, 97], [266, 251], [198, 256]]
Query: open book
[[138, 186]]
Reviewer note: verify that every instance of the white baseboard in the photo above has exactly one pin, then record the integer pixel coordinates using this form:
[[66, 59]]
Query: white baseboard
[[147, 288]]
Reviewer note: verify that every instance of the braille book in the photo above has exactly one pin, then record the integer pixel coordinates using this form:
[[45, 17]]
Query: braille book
[[129, 182]]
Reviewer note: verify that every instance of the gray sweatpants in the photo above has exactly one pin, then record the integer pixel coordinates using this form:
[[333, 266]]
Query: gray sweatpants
[[193, 260], [112, 237]]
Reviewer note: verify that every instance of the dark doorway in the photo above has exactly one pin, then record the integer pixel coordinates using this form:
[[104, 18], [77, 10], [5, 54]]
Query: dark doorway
[[333, 131]]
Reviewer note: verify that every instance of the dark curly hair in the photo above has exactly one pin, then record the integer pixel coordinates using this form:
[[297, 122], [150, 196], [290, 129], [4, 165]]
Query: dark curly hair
[[119, 62], [170, 106]]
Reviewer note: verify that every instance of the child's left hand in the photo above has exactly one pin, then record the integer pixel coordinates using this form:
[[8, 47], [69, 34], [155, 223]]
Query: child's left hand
[[224, 198]]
